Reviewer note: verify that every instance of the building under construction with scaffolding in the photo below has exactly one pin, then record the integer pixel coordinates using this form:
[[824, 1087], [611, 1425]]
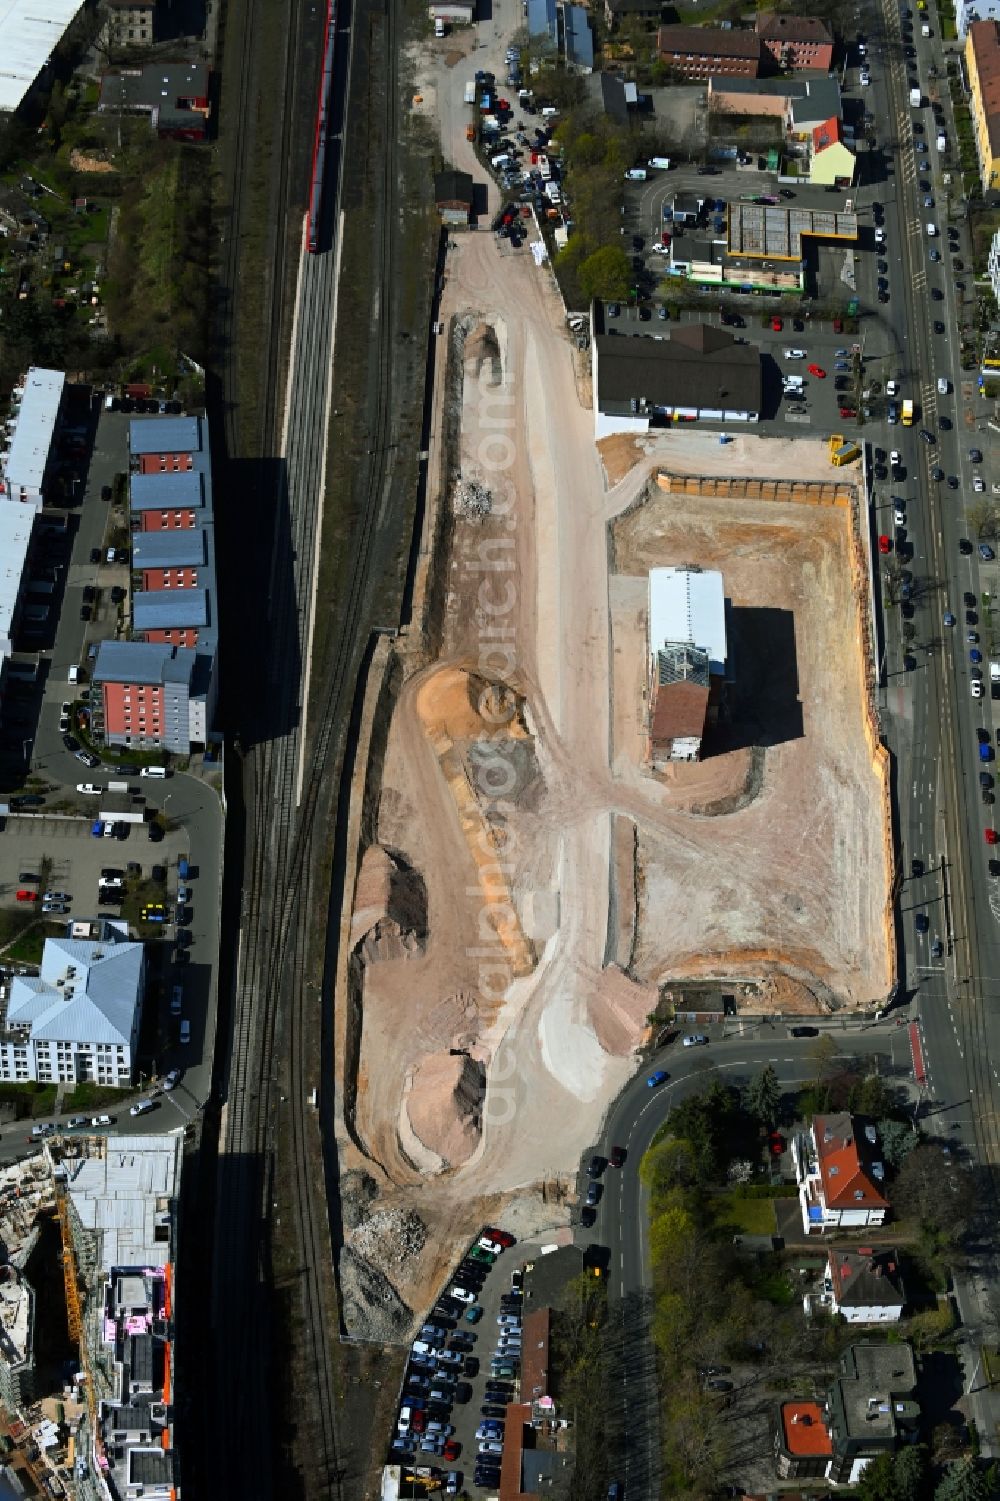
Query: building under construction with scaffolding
[[117, 1200]]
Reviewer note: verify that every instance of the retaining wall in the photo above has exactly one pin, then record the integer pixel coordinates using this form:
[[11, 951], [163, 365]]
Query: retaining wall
[[846, 497]]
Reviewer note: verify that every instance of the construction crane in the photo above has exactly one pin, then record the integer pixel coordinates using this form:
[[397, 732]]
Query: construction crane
[[74, 1312]]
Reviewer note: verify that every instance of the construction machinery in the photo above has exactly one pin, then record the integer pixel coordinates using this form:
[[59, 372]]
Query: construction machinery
[[842, 450]]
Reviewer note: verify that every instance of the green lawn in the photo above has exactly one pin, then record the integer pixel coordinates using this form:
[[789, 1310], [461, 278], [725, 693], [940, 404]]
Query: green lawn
[[29, 1099], [138, 895], [13, 921], [752, 1216], [27, 949], [93, 1097]]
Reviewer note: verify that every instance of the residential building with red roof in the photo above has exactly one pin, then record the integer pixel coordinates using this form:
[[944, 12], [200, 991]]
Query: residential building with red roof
[[870, 1409], [865, 1286], [687, 645], [796, 42], [840, 1173], [802, 1443], [832, 163]]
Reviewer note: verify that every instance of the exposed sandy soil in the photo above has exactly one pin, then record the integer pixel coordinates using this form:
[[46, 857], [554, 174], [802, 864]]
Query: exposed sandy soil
[[496, 1020], [797, 872]]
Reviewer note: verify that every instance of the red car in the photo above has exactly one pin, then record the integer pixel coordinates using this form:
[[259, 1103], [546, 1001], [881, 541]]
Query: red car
[[884, 545], [452, 1449], [617, 1158], [417, 1420], [777, 324], [992, 837], [838, 325], [503, 1237], [818, 371], [847, 412], [27, 896]]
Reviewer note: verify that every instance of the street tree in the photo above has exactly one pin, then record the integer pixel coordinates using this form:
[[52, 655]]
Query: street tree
[[967, 1482], [670, 1164], [763, 1097], [898, 1141], [936, 1193], [605, 274], [984, 520], [825, 1056], [895, 1477]]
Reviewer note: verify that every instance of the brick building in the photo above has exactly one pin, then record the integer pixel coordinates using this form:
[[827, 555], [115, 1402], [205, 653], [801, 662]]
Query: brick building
[[799, 43], [159, 688], [700, 51]]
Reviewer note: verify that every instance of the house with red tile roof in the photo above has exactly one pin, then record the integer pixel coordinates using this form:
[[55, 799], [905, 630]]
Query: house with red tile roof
[[802, 1443], [865, 1286], [840, 1173], [831, 161]]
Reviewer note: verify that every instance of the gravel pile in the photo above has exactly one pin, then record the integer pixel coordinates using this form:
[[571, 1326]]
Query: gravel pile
[[473, 499]]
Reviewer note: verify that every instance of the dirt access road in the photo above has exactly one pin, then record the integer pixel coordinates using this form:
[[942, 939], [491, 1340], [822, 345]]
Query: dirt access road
[[493, 1029]]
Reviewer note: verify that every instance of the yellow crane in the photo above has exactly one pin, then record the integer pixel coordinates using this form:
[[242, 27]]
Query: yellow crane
[[74, 1311]]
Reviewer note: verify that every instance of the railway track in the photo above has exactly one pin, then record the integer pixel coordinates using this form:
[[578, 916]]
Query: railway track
[[275, 1020]]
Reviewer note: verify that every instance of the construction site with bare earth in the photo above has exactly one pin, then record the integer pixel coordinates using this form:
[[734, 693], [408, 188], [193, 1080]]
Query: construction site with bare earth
[[525, 890]]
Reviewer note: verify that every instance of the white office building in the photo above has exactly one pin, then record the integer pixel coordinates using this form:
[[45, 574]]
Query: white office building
[[994, 265], [967, 11], [78, 1019], [29, 34]]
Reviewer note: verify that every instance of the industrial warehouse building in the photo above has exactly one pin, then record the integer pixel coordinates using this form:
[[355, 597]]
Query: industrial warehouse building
[[687, 661], [29, 34], [699, 374]]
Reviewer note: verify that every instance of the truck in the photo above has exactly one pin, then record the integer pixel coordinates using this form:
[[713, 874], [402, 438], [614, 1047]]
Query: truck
[[916, 98], [470, 93], [907, 413], [842, 451]]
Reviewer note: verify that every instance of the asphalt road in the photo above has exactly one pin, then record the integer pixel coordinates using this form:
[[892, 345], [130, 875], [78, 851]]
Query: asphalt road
[[622, 1216], [929, 715]]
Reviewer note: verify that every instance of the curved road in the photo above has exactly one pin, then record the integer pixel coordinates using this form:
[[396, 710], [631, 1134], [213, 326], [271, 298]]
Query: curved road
[[622, 1215]]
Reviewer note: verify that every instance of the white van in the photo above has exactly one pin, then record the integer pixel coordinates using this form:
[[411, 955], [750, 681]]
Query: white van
[[438, 26], [499, 163], [73, 676], [153, 771]]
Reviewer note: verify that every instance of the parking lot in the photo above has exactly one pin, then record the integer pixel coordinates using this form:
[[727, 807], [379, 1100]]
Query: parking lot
[[65, 853], [452, 1357]]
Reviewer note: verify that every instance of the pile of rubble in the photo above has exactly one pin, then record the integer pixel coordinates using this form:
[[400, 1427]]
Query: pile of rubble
[[388, 1238], [472, 500]]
